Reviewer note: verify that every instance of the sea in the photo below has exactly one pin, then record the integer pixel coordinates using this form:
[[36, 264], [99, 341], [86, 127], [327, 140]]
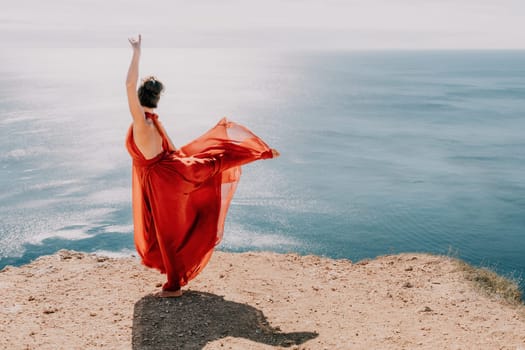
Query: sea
[[383, 152]]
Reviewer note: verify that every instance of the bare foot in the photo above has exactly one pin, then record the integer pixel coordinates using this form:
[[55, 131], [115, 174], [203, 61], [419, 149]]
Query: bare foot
[[275, 153], [168, 294]]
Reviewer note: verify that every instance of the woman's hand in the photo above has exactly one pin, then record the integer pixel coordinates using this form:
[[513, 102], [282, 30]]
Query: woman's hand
[[135, 43]]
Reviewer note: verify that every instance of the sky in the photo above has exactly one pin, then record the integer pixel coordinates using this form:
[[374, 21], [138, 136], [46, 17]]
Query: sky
[[280, 24]]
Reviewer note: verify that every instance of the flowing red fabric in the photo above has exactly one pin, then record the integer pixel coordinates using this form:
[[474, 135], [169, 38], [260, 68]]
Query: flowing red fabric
[[181, 196]]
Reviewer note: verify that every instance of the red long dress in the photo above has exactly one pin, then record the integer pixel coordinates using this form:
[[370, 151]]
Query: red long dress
[[180, 197]]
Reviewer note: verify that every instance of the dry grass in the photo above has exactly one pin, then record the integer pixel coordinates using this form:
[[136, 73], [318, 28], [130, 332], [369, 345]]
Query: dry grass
[[491, 283]]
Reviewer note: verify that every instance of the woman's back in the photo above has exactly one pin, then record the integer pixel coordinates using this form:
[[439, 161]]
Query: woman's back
[[147, 138]]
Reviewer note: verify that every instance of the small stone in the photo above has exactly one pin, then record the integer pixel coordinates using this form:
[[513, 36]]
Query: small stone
[[408, 285], [31, 298], [50, 311], [426, 309], [92, 314], [410, 268]]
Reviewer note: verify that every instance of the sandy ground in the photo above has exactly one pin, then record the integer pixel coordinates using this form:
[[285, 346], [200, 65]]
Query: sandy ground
[[253, 301]]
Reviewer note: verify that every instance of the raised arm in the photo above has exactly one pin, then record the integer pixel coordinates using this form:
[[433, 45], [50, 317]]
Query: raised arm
[[135, 108]]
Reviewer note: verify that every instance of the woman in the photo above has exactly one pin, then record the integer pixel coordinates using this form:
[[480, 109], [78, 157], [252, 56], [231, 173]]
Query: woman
[[181, 196]]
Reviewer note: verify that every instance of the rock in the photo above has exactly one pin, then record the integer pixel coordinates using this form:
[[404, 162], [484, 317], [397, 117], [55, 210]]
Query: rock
[[50, 310], [69, 254]]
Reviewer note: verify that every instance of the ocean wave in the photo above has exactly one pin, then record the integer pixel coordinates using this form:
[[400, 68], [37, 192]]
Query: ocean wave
[[14, 118], [118, 229], [22, 153], [38, 203], [68, 234], [53, 184], [238, 238], [124, 253], [31, 131]]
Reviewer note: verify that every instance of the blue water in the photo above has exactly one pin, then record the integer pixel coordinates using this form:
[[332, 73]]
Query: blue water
[[382, 151]]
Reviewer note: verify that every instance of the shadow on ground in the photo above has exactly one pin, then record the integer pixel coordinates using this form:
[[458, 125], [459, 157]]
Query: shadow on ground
[[196, 318]]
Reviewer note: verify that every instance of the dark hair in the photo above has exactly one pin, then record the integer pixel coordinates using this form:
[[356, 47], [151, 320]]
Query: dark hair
[[149, 92]]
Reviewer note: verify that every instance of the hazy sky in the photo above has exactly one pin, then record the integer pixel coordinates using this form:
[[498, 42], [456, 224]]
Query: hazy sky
[[352, 24]]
